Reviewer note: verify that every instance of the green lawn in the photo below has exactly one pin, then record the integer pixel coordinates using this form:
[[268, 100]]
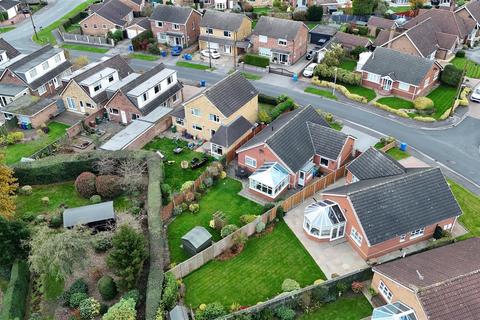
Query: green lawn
[[312, 25], [80, 47], [470, 204], [443, 97], [175, 176], [45, 35], [396, 103], [15, 152], [221, 197], [473, 69], [265, 107], [193, 65], [73, 28], [395, 152], [256, 274], [6, 29], [348, 64], [336, 125], [348, 308], [251, 76], [400, 9], [320, 92], [259, 10], [362, 91], [141, 56]]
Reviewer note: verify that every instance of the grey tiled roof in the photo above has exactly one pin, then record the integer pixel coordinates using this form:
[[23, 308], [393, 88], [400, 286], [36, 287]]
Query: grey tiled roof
[[231, 93], [28, 105], [213, 39], [55, 72], [391, 206], [351, 40], [172, 14], [327, 142], [373, 164], [222, 20], [9, 49], [88, 214], [114, 11], [278, 28], [380, 22], [323, 29], [178, 112], [474, 9], [142, 78], [10, 89], [226, 135], [398, 66], [289, 137], [7, 4]]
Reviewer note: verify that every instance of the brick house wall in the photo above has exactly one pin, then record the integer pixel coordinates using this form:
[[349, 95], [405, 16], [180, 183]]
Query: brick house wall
[[239, 35], [403, 45], [74, 91], [190, 30], [43, 116], [96, 25], [399, 293], [120, 102], [385, 247]]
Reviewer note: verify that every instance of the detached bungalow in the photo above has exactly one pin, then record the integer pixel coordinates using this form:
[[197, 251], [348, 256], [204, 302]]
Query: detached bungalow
[[282, 41], [10, 7], [391, 72], [290, 150]]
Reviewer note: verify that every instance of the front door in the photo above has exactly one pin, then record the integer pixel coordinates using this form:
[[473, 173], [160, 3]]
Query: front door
[[82, 107], [387, 84], [301, 178], [228, 49], [178, 41], [337, 232], [124, 116]]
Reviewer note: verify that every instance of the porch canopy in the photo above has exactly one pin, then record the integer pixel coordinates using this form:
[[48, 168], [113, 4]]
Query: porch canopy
[[323, 217], [270, 179], [393, 311]]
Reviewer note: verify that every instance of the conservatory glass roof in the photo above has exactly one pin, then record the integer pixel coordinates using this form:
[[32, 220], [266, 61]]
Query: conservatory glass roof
[[270, 174], [324, 213], [393, 311]]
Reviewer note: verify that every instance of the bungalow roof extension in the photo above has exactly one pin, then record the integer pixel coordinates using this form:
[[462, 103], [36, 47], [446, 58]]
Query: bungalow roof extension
[[170, 13], [114, 11], [9, 49], [388, 207], [27, 105], [226, 135], [445, 279], [473, 8], [222, 20], [398, 66], [374, 163], [278, 28]]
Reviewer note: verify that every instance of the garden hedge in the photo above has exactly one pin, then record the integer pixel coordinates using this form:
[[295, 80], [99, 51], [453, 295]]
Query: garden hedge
[[256, 60], [263, 98], [14, 301]]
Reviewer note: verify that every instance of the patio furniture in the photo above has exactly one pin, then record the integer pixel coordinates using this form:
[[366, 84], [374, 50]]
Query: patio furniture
[[178, 150], [197, 163]]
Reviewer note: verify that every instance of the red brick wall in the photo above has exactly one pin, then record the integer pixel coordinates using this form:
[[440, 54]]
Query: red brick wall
[[120, 102], [191, 34], [99, 21], [43, 116]]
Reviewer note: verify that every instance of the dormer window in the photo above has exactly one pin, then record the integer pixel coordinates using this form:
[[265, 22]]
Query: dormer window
[[227, 34], [145, 96], [111, 78], [33, 73], [160, 24], [169, 80], [156, 89], [176, 26], [97, 87], [45, 65], [57, 58]]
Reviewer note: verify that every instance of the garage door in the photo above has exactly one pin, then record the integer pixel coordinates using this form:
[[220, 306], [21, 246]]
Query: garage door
[[213, 45]]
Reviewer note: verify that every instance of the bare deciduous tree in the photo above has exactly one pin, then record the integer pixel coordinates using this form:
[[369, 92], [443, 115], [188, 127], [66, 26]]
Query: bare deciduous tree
[[105, 165], [131, 170]]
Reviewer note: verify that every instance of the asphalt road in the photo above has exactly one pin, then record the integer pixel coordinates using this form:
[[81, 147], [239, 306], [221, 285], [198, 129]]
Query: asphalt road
[[21, 36]]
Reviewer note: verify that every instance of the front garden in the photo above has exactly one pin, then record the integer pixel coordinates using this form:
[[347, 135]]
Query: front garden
[[472, 68], [470, 205], [394, 152]]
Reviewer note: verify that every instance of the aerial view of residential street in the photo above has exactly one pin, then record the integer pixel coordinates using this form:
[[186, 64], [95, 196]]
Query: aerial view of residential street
[[239, 159]]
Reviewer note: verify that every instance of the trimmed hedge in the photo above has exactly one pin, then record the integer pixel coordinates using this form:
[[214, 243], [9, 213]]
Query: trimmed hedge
[[256, 60], [15, 299], [263, 98], [281, 108], [340, 88]]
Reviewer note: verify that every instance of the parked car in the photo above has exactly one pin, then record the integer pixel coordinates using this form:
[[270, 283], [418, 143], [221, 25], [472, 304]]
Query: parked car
[[308, 71], [176, 50], [213, 53], [475, 96]]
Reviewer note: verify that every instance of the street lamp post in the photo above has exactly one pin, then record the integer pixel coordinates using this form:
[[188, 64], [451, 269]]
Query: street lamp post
[[335, 81], [459, 89], [31, 19], [208, 45]]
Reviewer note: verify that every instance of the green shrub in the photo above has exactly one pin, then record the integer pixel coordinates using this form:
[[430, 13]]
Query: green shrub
[[423, 103], [170, 292], [132, 294], [280, 212], [103, 309], [187, 185], [267, 99], [343, 76], [14, 301], [362, 30], [107, 288], [108, 186], [290, 285], [259, 227], [314, 13], [95, 199], [299, 14], [166, 193], [256, 60], [285, 313], [26, 190], [460, 54], [76, 298], [208, 182], [79, 286], [451, 75], [281, 108], [153, 48], [357, 50], [56, 221], [194, 207], [85, 184], [228, 229], [89, 309], [122, 310], [247, 218], [102, 241], [212, 311], [264, 116]]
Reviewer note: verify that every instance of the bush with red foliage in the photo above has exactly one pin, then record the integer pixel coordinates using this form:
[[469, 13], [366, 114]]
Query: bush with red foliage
[[85, 184], [357, 286], [108, 186]]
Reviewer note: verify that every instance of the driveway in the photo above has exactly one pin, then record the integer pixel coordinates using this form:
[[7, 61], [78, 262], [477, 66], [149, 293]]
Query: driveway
[[332, 257]]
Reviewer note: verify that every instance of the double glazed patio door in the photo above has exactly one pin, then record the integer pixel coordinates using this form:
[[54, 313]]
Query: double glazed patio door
[[337, 232]]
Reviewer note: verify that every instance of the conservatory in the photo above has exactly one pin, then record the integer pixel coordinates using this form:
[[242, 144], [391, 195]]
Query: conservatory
[[393, 311], [324, 220], [270, 179]]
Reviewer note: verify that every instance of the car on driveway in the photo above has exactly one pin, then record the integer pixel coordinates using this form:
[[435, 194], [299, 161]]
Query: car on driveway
[[212, 52], [475, 96], [308, 71]]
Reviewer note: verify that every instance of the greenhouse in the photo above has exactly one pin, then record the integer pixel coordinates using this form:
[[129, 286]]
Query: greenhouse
[[324, 220], [393, 311]]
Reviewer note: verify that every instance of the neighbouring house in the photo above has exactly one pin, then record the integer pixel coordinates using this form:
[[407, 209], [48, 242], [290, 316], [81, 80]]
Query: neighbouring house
[[41, 71], [137, 26], [471, 10], [439, 284], [321, 34], [7, 53], [291, 150], [10, 8], [10, 92], [376, 24], [135, 5], [99, 216], [395, 73], [225, 31], [260, 3], [30, 111], [384, 211], [351, 41], [176, 26], [107, 17], [282, 41], [85, 89], [138, 95]]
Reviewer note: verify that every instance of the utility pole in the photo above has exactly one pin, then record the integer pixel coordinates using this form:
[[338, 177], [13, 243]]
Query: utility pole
[[208, 44], [31, 19], [459, 89]]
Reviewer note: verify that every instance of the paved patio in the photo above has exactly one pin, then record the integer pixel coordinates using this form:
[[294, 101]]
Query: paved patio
[[332, 257]]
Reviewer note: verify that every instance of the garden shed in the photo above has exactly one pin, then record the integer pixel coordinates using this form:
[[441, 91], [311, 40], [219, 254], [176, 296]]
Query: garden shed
[[99, 216], [178, 313], [196, 240]]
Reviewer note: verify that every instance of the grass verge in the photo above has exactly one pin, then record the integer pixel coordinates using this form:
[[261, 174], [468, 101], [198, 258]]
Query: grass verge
[[348, 64], [443, 98], [361, 91], [396, 103], [470, 204], [80, 47], [320, 92], [141, 56], [193, 65], [6, 29]]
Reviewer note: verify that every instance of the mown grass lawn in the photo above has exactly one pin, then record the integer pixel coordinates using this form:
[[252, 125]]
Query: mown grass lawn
[[193, 65], [6, 29], [175, 176], [79, 47], [443, 98], [221, 197], [400, 9], [473, 68], [259, 10], [321, 92], [361, 91], [348, 64], [346, 308], [265, 107], [256, 274], [396, 103], [25, 149], [470, 204], [141, 56], [395, 153], [312, 25]]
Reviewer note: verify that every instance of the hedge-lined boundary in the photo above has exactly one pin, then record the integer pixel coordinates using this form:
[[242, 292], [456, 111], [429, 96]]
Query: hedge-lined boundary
[[14, 302], [154, 202], [341, 89], [256, 60]]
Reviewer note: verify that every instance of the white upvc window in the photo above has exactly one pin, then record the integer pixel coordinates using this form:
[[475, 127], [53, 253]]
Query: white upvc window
[[447, 226], [262, 39], [145, 96], [216, 149], [159, 24], [356, 236], [42, 90], [57, 58], [209, 31], [227, 34], [214, 118], [176, 26], [403, 86], [196, 112], [45, 65], [180, 122], [197, 127], [324, 162], [113, 111], [417, 233], [282, 42], [33, 72], [372, 77], [251, 162], [384, 291]]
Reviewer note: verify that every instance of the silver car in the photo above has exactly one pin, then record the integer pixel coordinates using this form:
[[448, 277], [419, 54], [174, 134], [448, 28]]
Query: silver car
[[308, 72], [475, 96]]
